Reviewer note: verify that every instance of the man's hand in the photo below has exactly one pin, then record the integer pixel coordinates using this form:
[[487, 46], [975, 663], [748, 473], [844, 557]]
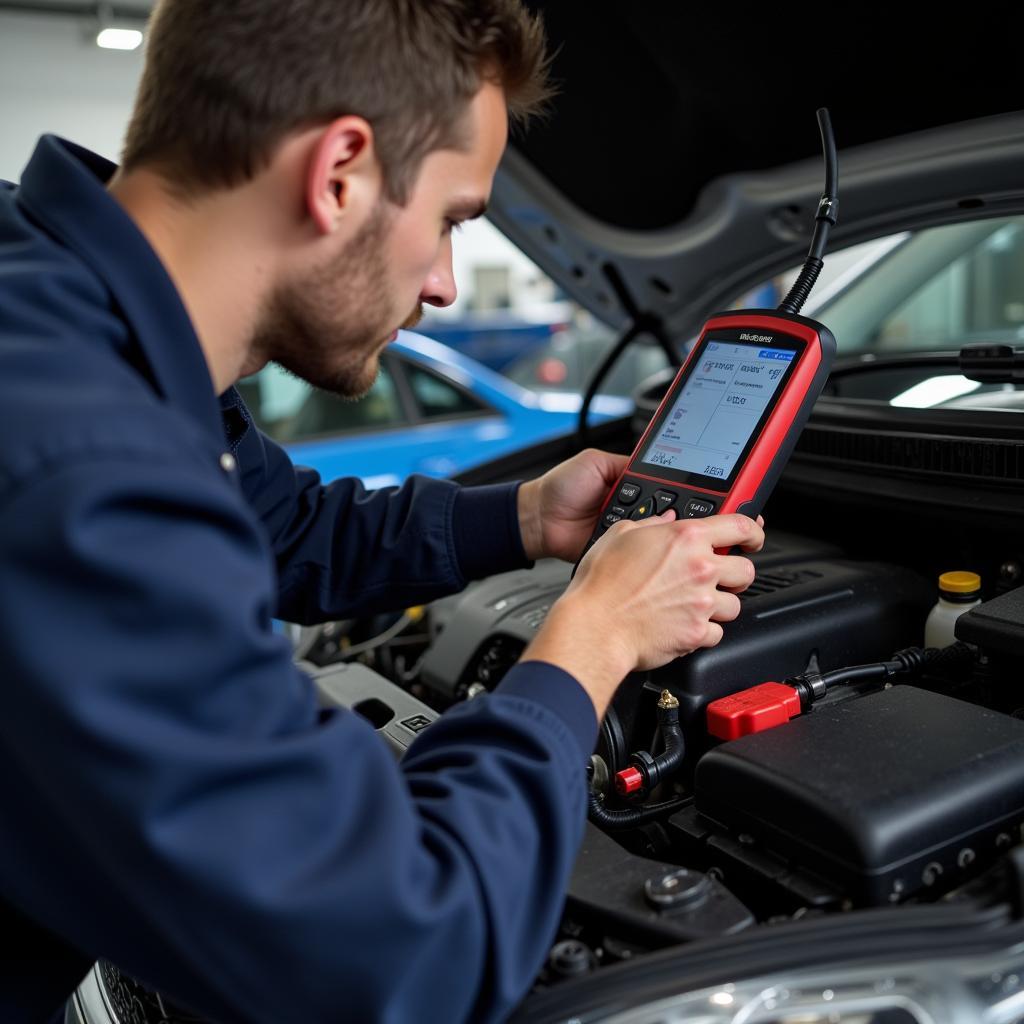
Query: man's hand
[[649, 592], [557, 511]]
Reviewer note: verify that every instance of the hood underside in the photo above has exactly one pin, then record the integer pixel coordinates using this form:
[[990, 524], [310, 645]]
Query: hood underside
[[682, 154]]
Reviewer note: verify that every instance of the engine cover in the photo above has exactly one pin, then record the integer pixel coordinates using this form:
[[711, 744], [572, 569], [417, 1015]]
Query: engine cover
[[485, 629], [884, 796]]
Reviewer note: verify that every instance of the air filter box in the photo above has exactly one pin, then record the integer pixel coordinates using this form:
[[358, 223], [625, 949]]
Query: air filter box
[[885, 796]]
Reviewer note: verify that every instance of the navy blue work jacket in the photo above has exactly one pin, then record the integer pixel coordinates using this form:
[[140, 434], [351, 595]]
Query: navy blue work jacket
[[171, 800]]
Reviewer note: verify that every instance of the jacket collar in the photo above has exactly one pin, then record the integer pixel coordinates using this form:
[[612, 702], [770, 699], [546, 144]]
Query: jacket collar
[[63, 188]]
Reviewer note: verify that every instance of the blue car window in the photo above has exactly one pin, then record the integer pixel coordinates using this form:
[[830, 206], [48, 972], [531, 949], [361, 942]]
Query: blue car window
[[323, 413], [437, 398]]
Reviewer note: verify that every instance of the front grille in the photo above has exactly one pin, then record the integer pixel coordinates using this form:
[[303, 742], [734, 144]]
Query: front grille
[[920, 454]]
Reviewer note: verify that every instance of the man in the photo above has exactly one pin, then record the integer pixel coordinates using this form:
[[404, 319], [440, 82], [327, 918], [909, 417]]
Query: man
[[172, 799]]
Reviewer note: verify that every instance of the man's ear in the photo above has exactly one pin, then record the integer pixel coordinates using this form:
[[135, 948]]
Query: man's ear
[[344, 175]]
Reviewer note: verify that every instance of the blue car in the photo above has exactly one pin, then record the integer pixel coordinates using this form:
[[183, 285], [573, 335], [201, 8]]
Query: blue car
[[495, 338], [432, 411]]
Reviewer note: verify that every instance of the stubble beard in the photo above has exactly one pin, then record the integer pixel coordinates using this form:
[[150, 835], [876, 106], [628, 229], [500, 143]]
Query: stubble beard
[[329, 328]]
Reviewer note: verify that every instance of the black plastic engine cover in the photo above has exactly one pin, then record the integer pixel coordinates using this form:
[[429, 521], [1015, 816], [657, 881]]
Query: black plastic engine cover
[[610, 886], [885, 796], [996, 625], [485, 629]]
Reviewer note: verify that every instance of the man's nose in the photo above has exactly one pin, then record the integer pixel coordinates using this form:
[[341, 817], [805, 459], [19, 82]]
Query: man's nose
[[439, 288]]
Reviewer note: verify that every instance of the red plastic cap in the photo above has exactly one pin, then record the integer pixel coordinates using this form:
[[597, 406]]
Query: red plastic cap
[[629, 780], [754, 710]]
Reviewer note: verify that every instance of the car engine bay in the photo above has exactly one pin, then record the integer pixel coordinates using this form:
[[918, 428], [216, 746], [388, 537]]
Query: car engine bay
[[903, 783]]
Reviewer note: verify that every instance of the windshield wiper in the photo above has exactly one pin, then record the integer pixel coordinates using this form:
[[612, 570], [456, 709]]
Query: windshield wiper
[[989, 363]]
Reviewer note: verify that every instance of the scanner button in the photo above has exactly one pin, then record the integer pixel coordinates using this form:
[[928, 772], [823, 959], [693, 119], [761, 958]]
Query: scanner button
[[628, 493], [698, 508], [610, 519], [617, 510], [664, 500], [644, 509]]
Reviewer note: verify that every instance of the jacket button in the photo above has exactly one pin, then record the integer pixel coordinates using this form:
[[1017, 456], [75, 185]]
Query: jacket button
[[228, 463]]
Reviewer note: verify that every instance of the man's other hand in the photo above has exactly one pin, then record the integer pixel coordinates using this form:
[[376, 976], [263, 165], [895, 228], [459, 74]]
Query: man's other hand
[[557, 511], [647, 593]]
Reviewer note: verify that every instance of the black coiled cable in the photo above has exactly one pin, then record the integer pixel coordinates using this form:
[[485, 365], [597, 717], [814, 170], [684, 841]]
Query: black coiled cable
[[826, 217]]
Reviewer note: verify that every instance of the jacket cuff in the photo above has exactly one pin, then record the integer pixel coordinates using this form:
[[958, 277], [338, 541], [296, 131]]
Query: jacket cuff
[[485, 531], [554, 689]]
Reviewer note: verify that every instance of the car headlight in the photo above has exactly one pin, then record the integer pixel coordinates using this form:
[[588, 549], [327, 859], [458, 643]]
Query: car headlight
[[983, 989], [980, 990]]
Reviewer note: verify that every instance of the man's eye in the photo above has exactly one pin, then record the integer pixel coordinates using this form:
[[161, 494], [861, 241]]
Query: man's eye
[[451, 225]]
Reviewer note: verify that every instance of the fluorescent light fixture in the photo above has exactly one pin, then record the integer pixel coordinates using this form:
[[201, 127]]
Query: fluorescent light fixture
[[119, 38]]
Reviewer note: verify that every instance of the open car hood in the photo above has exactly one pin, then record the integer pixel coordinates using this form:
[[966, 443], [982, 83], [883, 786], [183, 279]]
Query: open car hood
[[681, 154]]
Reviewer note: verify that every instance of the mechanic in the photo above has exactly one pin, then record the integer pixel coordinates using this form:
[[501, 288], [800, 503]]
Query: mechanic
[[172, 799]]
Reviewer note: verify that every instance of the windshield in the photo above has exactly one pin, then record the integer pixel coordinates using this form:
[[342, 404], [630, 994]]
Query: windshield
[[925, 292], [935, 290]]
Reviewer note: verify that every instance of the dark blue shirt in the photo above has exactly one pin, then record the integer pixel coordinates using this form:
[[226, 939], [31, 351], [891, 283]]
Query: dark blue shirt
[[171, 799]]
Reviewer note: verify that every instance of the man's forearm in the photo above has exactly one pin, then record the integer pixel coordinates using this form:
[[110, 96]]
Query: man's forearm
[[577, 641]]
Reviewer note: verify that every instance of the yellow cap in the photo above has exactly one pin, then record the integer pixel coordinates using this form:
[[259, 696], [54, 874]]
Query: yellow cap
[[959, 582]]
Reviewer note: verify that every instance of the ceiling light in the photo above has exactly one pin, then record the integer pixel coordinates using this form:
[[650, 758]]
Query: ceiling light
[[116, 32], [119, 38]]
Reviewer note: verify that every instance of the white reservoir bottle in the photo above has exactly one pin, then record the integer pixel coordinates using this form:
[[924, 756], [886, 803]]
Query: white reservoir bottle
[[958, 591]]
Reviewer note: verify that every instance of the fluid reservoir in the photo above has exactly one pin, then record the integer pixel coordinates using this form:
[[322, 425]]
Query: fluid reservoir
[[958, 591]]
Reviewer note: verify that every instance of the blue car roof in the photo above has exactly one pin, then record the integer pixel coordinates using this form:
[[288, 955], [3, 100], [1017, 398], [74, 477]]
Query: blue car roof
[[448, 446]]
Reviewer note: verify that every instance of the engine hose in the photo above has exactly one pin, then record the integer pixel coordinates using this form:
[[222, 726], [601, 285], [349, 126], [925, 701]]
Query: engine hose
[[912, 659], [955, 662], [666, 763], [647, 772], [881, 670], [949, 662], [631, 817]]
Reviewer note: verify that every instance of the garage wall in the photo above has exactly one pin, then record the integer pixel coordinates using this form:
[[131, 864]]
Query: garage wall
[[53, 78]]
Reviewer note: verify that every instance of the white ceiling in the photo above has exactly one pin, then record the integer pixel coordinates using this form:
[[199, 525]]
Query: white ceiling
[[72, 6]]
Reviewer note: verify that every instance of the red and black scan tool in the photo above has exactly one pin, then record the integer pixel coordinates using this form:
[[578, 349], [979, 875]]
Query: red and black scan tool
[[726, 427]]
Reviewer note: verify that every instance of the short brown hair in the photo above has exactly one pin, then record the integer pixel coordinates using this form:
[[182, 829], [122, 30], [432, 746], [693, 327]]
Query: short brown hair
[[225, 82]]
